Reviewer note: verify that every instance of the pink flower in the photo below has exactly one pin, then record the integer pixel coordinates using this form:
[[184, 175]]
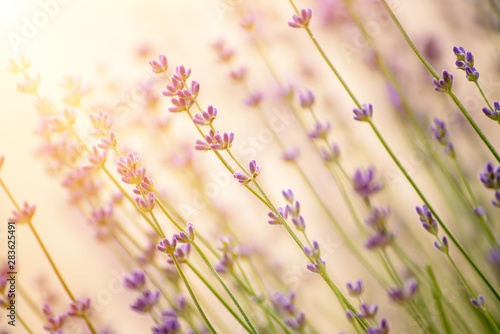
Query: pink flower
[[23, 215], [301, 21], [159, 66]]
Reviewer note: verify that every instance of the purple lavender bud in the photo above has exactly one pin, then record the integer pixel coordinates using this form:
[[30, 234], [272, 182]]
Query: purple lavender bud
[[275, 220], [460, 64], [299, 223], [490, 178], [365, 114], [313, 267], [181, 254], [459, 52], [146, 302], [442, 245], [428, 221], [349, 315], [252, 167], [320, 131], [288, 194], [254, 99], [494, 115], [331, 155], [181, 303], [496, 201], [378, 218], [135, 281], [494, 257], [297, 323], [302, 20], [479, 302], [170, 326], [306, 99], [469, 59], [291, 154], [380, 240], [364, 182], [444, 84], [242, 178], [471, 73], [411, 287], [166, 246], [397, 295], [355, 289], [480, 212], [439, 131], [225, 264], [368, 311], [186, 237]]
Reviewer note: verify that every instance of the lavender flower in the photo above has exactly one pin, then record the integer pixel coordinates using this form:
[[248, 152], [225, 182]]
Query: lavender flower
[[170, 325], [442, 245], [146, 301], [380, 240], [364, 182], [355, 289], [465, 62], [291, 154], [443, 85], [479, 302], [135, 281], [428, 221], [302, 20], [368, 311], [320, 131], [206, 117], [442, 136], [306, 99], [364, 114], [382, 329], [378, 218], [402, 295], [493, 114], [490, 177]]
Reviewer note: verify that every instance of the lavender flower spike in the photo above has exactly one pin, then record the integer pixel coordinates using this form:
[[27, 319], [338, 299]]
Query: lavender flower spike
[[443, 85], [442, 136], [365, 114], [428, 221], [146, 302], [493, 114], [302, 20], [479, 302], [364, 182], [135, 281], [355, 289]]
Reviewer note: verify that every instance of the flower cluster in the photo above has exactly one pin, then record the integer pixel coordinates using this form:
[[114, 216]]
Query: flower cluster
[[465, 62]]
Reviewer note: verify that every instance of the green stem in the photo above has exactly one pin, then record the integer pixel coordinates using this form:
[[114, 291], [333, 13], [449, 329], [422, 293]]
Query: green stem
[[484, 96], [437, 76], [219, 297], [437, 295], [485, 224], [214, 272], [431, 209], [195, 300]]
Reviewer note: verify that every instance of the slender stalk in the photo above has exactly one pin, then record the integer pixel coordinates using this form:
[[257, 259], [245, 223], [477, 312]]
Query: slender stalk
[[437, 295], [47, 255], [195, 300], [219, 297], [24, 323], [431, 208], [487, 227], [482, 94], [437, 76]]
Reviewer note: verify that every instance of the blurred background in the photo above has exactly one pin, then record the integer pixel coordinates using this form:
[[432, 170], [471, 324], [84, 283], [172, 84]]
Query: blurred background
[[108, 45]]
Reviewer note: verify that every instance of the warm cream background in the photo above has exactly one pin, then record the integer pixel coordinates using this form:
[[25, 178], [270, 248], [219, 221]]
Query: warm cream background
[[97, 39]]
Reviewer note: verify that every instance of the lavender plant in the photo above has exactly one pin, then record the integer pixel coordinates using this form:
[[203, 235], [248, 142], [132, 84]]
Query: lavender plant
[[253, 255]]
